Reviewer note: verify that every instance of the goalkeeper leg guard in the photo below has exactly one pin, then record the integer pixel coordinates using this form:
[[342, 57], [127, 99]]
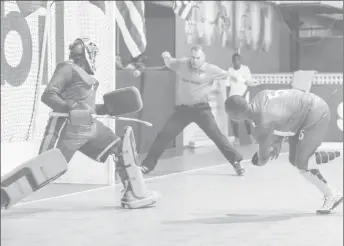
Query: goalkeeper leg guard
[[128, 169], [31, 176]]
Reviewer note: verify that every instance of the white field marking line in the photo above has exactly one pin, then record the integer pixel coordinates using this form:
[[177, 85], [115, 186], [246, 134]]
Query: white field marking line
[[147, 179]]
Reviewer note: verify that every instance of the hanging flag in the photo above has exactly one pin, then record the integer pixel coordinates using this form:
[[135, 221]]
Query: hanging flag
[[183, 9], [99, 4], [130, 17], [255, 24], [268, 19], [28, 7], [224, 22]]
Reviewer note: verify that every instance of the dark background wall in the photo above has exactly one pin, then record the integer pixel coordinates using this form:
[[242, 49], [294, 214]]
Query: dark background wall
[[322, 54], [157, 87]]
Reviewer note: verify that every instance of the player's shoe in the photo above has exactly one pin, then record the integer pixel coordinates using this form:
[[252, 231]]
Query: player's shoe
[[330, 203], [236, 142], [238, 168], [130, 201], [4, 199], [145, 169]]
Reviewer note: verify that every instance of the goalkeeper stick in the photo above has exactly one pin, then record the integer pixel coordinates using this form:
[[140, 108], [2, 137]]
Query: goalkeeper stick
[[106, 117]]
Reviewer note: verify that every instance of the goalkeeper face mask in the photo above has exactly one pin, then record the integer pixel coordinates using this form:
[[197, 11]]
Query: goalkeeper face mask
[[84, 49]]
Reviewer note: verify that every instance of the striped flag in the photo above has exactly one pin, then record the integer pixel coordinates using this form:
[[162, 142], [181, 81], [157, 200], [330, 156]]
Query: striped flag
[[99, 4], [130, 17], [183, 9]]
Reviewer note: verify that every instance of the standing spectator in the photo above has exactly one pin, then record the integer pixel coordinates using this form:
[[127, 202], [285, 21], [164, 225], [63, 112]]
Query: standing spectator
[[239, 84]]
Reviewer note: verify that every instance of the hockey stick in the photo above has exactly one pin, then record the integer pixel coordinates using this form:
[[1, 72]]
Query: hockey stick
[[106, 117], [331, 94]]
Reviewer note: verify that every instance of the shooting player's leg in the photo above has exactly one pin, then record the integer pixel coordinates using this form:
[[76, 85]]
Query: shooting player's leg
[[106, 143], [292, 149], [305, 159]]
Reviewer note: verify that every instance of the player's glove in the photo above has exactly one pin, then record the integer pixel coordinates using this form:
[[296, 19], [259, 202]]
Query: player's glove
[[257, 162], [255, 159], [276, 151], [80, 114]]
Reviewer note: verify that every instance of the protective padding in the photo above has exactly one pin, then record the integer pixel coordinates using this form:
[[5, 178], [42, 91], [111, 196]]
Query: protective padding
[[123, 101], [323, 157], [131, 164], [33, 175], [303, 80]]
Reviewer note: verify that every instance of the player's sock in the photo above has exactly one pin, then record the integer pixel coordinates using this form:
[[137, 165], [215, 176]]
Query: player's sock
[[315, 177], [324, 157]]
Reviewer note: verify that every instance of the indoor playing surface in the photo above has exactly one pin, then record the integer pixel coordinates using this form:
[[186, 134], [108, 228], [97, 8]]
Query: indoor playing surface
[[202, 203]]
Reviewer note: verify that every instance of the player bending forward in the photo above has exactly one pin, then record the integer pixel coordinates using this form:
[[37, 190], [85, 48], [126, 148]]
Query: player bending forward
[[304, 118], [72, 90]]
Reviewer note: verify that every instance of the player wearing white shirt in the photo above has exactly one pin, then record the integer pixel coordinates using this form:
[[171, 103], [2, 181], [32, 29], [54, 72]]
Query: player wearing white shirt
[[239, 83]]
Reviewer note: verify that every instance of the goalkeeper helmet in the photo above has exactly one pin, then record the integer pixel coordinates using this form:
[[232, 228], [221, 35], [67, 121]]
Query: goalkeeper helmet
[[83, 48]]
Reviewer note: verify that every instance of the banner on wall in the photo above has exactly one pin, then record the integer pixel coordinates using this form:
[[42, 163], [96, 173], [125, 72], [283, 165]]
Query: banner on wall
[[253, 25], [242, 24], [210, 23]]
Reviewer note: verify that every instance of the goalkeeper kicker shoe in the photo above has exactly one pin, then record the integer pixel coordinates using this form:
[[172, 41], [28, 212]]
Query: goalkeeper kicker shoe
[[131, 201]]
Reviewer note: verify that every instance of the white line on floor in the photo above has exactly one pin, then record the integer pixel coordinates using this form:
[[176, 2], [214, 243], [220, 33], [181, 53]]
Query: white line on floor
[[147, 179]]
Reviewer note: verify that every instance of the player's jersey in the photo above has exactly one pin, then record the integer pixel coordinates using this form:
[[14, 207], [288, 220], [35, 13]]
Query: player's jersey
[[70, 83], [286, 108], [195, 85]]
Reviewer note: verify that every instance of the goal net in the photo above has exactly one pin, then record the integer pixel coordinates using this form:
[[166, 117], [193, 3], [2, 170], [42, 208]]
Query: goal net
[[25, 71]]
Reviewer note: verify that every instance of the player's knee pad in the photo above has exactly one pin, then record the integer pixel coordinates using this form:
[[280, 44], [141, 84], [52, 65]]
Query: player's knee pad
[[128, 167], [31, 176], [323, 157]]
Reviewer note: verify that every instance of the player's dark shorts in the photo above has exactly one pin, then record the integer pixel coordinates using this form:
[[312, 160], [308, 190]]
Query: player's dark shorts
[[313, 131], [95, 141]]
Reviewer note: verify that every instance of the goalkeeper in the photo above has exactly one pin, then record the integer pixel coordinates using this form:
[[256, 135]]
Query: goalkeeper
[[72, 90]]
